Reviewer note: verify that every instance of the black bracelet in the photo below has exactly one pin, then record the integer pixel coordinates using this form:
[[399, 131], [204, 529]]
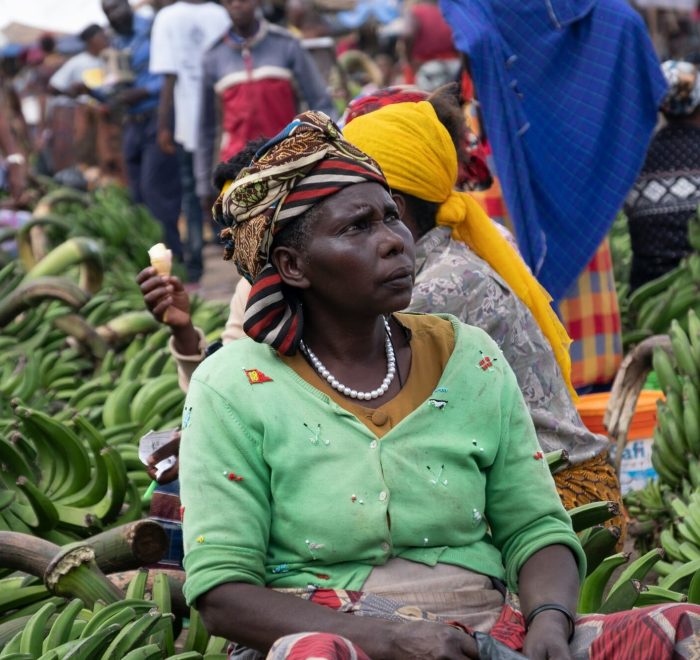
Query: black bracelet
[[558, 608]]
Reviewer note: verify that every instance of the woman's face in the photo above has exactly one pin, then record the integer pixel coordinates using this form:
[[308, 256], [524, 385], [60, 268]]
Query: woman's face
[[359, 256]]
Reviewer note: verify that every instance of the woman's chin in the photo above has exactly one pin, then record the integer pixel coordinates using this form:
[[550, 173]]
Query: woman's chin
[[399, 301]]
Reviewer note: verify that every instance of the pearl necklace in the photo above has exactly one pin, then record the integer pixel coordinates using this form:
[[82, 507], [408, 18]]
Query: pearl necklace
[[344, 389]]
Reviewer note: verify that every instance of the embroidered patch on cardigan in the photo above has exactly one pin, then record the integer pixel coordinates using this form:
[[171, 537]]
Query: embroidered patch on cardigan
[[255, 376], [486, 363], [315, 437], [439, 404], [186, 416], [438, 478]]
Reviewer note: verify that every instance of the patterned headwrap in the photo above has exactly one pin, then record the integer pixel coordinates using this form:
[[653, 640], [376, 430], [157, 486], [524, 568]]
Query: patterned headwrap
[[683, 95], [305, 163]]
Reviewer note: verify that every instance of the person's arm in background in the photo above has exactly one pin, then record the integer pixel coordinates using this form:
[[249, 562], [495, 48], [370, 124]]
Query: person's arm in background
[[166, 114], [313, 86], [410, 29], [60, 81], [162, 61]]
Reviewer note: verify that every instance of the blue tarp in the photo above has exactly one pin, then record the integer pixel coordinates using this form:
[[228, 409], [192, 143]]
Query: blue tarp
[[11, 50], [382, 11], [569, 91]]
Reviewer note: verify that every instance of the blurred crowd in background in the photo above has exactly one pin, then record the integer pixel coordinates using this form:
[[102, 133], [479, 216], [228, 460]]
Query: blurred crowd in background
[[161, 91]]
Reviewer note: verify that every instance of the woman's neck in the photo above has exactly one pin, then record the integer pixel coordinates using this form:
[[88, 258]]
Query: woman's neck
[[349, 339]]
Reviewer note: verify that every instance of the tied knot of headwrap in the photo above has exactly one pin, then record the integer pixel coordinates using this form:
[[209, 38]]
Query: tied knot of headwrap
[[304, 164], [418, 157]]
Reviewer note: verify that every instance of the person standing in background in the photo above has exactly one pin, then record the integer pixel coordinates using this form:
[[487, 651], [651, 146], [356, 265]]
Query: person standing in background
[[667, 192], [430, 51], [182, 32], [153, 175], [254, 69], [13, 163], [69, 80]]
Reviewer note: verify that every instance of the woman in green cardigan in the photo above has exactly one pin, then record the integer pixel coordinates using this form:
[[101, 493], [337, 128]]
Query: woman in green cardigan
[[346, 458], [342, 446]]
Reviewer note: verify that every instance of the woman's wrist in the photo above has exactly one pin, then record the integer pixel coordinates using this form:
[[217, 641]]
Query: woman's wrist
[[551, 619], [186, 339]]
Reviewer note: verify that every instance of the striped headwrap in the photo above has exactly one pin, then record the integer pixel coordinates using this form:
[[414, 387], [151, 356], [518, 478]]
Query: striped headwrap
[[305, 163]]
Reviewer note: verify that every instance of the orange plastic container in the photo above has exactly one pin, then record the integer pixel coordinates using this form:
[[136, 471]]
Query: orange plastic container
[[592, 407], [635, 467]]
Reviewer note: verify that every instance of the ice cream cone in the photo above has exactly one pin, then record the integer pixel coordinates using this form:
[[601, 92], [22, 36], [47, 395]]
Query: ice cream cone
[[161, 259]]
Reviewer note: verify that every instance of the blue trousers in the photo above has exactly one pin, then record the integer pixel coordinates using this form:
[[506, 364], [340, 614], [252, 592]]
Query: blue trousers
[[193, 214], [153, 176]]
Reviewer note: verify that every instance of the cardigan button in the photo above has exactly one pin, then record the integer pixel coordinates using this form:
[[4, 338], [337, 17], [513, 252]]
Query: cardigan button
[[382, 496], [373, 444], [379, 417], [385, 546]]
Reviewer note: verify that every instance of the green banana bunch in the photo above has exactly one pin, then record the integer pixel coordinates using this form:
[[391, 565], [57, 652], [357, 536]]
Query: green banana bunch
[[84, 368], [591, 594], [131, 627], [651, 308], [598, 544], [591, 514]]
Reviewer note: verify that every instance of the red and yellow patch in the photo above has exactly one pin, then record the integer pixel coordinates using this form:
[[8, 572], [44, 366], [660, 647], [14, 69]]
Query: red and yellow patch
[[256, 376]]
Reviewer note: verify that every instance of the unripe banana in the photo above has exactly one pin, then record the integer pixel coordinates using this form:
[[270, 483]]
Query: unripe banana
[[665, 372]]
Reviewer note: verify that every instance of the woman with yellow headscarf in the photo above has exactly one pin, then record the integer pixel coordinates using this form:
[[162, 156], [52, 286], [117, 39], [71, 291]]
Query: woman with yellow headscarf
[[465, 267]]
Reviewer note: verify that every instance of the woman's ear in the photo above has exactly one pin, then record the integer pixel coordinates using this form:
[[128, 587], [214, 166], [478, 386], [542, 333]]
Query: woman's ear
[[400, 204], [290, 265]]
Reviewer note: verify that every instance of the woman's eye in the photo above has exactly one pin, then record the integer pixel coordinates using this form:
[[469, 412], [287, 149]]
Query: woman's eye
[[360, 225], [392, 217]]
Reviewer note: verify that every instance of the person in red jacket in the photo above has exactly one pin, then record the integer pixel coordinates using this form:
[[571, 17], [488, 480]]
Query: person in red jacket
[[250, 80]]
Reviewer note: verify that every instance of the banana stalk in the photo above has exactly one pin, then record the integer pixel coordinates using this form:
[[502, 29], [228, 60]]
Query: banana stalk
[[68, 571], [77, 327], [81, 251], [126, 326], [29, 294], [67, 195], [26, 238], [129, 546]]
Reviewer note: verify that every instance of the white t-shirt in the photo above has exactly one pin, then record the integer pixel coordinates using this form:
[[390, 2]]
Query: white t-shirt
[[72, 71], [181, 34]]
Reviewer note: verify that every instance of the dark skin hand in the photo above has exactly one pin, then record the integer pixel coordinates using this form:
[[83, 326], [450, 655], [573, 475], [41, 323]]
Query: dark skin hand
[[172, 448], [167, 300]]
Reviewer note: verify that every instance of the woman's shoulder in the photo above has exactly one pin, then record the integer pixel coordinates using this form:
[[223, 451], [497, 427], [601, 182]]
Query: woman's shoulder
[[235, 363], [444, 326]]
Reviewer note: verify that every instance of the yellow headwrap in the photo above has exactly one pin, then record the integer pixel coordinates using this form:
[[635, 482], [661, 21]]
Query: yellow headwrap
[[418, 157]]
